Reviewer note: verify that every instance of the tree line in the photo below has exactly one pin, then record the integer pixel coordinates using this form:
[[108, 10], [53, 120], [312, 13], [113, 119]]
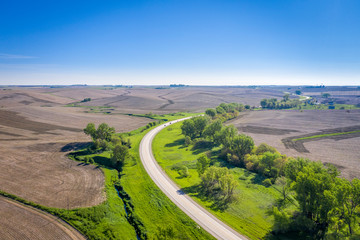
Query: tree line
[[285, 103], [226, 111], [105, 139], [327, 204]]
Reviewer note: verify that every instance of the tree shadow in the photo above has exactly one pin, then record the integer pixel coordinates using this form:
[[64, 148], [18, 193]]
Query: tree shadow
[[74, 146], [258, 179], [297, 227], [104, 161], [202, 146], [178, 142], [218, 203]]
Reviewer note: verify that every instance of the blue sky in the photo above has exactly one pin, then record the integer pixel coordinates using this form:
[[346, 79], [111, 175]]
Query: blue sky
[[193, 42]]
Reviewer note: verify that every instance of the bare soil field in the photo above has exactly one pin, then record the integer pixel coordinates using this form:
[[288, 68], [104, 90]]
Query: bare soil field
[[18, 221], [137, 99], [193, 99], [34, 143], [280, 128], [37, 130], [35, 125]]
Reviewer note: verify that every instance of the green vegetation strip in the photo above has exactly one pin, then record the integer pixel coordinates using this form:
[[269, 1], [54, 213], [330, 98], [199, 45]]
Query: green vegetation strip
[[325, 135], [249, 214]]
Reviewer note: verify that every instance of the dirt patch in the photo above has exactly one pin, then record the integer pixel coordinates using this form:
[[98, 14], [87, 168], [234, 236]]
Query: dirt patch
[[18, 221]]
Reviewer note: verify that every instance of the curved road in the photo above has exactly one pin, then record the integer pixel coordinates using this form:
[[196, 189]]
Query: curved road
[[201, 216]]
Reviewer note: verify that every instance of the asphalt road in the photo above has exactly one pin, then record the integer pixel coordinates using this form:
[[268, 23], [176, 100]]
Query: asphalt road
[[201, 216]]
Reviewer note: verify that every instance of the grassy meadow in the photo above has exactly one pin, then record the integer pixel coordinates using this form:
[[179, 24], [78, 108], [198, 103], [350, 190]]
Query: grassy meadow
[[249, 214]]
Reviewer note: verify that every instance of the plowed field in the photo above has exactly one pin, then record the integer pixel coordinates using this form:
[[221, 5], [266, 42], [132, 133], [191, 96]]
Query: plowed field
[[281, 129], [34, 142], [18, 221]]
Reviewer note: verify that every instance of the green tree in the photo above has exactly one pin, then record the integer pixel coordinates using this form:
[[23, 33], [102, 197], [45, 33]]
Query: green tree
[[210, 178], [104, 132], [315, 193], [263, 147], [284, 187], [183, 171], [298, 92], [220, 110], [213, 128], [227, 184], [241, 145], [90, 130], [348, 200], [194, 127], [203, 162], [325, 95], [286, 97], [210, 112], [226, 136], [267, 164], [200, 124], [264, 103], [118, 156], [294, 166], [188, 128], [187, 140]]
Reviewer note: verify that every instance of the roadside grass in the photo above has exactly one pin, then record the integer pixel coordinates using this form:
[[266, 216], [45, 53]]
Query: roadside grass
[[250, 214], [152, 210], [325, 135]]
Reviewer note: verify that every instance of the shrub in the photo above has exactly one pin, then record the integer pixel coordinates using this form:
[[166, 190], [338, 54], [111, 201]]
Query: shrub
[[183, 171], [267, 182]]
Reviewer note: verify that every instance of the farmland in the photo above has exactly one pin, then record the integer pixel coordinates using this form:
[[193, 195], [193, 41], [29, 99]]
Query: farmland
[[292, 133], [22, 222], [39, 126]]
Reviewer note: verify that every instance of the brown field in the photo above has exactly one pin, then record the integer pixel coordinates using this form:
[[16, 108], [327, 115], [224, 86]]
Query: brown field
[[37, 130], [32, 153], [35, 126], [278, 128], [18, 221], [193, 99]]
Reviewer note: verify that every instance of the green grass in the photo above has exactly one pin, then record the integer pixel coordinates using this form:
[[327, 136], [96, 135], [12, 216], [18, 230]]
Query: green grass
[[151, 205], [325, 135], [249, 214]]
